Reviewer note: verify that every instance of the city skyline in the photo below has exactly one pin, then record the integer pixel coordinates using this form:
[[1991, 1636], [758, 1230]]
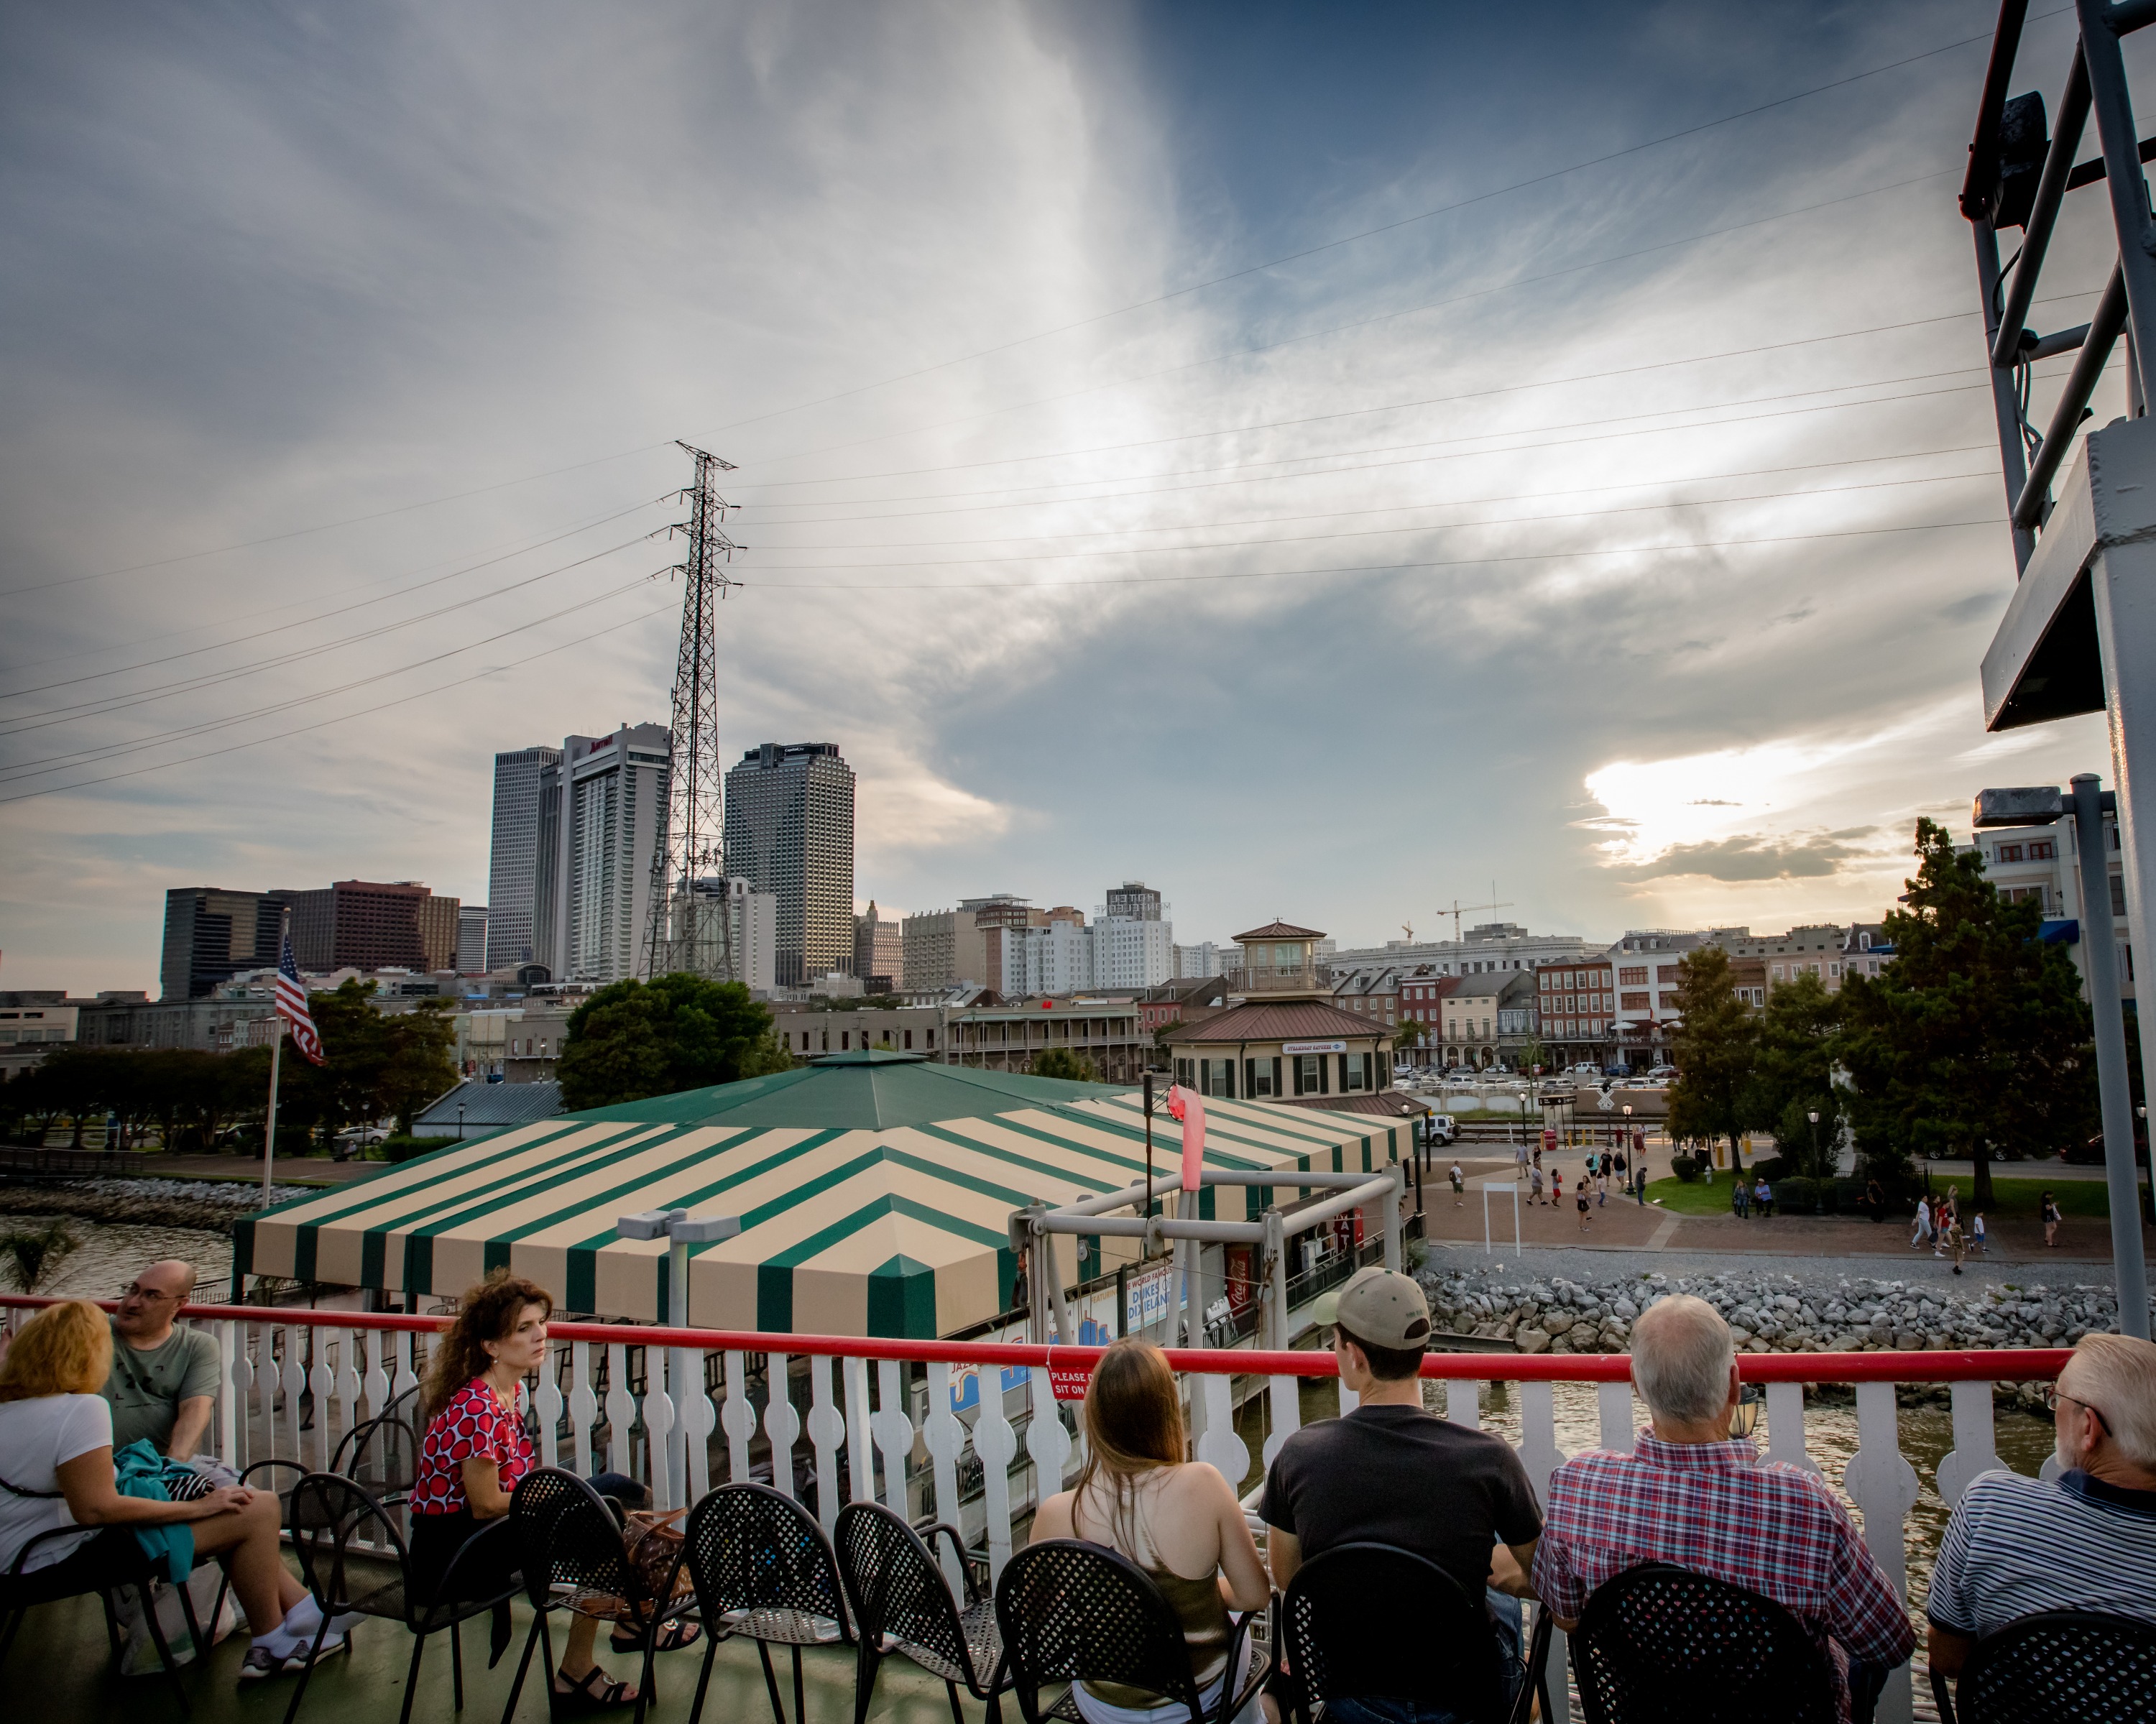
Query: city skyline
[[1628, 535]]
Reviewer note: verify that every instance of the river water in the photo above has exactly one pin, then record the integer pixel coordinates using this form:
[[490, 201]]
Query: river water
[[112, 1251], [2022, 1440]]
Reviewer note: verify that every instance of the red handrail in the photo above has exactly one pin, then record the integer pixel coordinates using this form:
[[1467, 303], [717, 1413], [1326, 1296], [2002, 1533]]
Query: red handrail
[[1973, 1365]]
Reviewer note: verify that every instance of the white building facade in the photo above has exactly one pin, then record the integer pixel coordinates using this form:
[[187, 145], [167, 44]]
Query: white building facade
[[610, 824]]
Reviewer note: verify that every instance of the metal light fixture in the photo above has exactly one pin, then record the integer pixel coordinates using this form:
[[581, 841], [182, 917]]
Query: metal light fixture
[[1751, 1402]]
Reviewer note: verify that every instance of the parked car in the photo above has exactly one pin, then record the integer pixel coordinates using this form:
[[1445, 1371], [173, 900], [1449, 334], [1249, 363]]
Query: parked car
[[1593, 1071], [1442, 1127], [1664, 1072]]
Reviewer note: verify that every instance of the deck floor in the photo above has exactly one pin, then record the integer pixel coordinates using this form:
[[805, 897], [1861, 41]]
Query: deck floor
[[59, 1668]]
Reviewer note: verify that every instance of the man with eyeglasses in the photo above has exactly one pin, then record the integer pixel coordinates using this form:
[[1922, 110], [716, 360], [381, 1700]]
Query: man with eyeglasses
[[163, 1383], [2084, 1540]]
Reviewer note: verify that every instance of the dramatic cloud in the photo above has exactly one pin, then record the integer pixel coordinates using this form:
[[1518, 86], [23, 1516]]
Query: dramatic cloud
[[1747, 859]]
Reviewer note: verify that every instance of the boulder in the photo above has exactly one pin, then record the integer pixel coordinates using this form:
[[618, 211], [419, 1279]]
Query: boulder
[[1531, 1340]]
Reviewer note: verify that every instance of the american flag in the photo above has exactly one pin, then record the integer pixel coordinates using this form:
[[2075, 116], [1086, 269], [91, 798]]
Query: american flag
[[292, 1006]]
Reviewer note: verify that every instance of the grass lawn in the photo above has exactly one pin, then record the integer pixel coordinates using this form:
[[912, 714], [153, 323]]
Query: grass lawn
[[2013, 1197]]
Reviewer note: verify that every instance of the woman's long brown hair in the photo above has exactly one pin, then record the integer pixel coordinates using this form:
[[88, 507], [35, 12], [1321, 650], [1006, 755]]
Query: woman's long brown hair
[[490, 1313], [1133, 1424]]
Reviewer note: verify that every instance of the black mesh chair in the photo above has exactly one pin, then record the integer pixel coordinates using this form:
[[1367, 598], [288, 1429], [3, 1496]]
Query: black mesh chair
[[1371, 1620], [1660, 1643], [119, 1562], [2072, 1666], [1073, 1612], [902, 1603], [569, 1546], [353, 1558], [382, 1455], [763, 1571]]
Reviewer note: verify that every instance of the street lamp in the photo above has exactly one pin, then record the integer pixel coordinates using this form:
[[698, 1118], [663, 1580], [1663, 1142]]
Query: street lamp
[[680, 1230], [460, 1122], [2087, 804]]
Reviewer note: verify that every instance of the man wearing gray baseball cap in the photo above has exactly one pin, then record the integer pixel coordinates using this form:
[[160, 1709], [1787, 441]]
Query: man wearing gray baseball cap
[[1392, 1473]]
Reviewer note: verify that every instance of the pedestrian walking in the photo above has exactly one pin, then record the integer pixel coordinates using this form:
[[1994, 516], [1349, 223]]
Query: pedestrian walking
[[1640, 1177], [1459, 1186], [1557, 1188], [2051, 1219], [1976, 1234], [1582, 1201], [1602, 1189], [1535, 1185], [1957, 1242], [1923, 1226]]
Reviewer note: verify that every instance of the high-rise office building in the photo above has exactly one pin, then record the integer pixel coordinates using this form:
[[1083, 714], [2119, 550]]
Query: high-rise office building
[[211, 935], [879, 946], [789, 831], [599, 830], [1133, 900], [521, 780], [373, 925], [471, 940]]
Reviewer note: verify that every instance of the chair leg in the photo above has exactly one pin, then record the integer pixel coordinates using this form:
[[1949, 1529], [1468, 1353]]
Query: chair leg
[[412, 1677], [523, 1664], [800, 1702], [771, 1682], [958, 1711], [457, 1662], [704, 1676], [307, 1670], [864, 1675], [164, 1651], [111, 1623]]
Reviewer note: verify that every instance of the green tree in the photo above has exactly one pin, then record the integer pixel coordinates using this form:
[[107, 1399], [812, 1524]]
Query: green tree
[[1063, 1063], [1717, 1048], [633, 1039], [1793, 1076], [1974, 1041], [418, 1066]]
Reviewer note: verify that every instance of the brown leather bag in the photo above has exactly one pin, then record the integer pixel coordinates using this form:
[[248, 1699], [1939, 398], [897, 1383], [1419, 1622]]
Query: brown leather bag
[[654, 1542]]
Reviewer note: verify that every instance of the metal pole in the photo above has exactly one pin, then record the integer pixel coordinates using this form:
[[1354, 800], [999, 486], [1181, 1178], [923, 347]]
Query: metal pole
[[269, 1126], [1276, 1250], [2100, 957], [2128, 188], [1391, 1208], [677, 1312]]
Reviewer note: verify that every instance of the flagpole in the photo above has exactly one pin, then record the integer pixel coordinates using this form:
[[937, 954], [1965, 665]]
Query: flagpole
[[269, 1129]]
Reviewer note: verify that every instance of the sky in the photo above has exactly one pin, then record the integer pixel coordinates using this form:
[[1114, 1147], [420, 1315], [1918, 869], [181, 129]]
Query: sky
[[1326, 463]]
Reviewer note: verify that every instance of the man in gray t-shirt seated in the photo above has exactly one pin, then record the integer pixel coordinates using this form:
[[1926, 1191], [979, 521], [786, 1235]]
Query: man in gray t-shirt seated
[[1392, 1473], [2085, 1541], [164, 1382]]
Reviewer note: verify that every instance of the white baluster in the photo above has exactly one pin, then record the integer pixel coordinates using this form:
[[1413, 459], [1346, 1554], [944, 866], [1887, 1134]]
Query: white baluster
[[1785, 1426], [1046, 1442], [406, 1378], [1220, 1448], [621, 1412], [241, 1392], [1975, 1446], [666, 1484], [231, 1391], [267, 1381], [782, 1424], [1556, 1665], [996, 1444], [584, 1405], [946, 1438], [1349, 1400], [703, 1420], [738, 1419], [1880, 1481], [548, 1404], [827, 1431], [1463, 1401], [1286, 1396], [347, 1375], [295, 1388], [378, 1373], [1539, 1450], [1613, 1400], [860, 1454], [893, 1431]]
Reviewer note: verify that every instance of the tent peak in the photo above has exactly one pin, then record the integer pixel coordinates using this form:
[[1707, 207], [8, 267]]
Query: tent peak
[[870, 1056]]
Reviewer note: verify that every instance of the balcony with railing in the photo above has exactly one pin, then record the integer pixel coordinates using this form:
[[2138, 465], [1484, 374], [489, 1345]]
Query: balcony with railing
[[1280, 978], [973, 1433]]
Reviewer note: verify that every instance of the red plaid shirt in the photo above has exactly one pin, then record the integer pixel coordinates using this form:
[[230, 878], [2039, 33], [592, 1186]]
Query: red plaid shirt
[[1714, 1508]]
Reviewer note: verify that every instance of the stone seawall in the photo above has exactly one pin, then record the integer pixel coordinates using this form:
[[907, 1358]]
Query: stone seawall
[[209, 1205]]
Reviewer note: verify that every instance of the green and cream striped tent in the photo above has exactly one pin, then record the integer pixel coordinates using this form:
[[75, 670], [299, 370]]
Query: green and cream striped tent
[[875, 1191]]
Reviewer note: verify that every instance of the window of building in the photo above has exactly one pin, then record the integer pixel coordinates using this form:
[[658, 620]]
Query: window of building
[[1217, 1077], [1310, 1073], [846, 1041], [2043, 849], [2009, 853], [1634, 1002], [909, 1040], [1633, 977], [1261, 1077], [1834, 969]]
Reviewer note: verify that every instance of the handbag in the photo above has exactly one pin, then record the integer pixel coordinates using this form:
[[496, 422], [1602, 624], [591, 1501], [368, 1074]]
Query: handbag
[[652, 1543]]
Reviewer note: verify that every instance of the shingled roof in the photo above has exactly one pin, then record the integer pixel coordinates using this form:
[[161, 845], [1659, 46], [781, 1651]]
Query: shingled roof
[[1280, 930], [1286, 1020]]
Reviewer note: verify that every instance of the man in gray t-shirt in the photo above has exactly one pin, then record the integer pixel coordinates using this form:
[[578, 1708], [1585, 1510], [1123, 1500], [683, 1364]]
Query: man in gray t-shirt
[[164, 1382]]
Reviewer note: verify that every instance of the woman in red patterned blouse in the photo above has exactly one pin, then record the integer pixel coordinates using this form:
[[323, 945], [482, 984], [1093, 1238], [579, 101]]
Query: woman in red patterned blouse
[[475, 1450]]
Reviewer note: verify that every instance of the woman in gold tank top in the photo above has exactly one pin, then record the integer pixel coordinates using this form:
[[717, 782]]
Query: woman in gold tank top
[[1176, 1519]]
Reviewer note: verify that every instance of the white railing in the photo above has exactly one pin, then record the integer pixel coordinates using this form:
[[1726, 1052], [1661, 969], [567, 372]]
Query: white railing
[[972, 1432]]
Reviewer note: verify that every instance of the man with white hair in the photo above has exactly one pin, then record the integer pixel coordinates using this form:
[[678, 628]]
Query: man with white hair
[[163, 1382], [2085, 1541], [1692, 1494]]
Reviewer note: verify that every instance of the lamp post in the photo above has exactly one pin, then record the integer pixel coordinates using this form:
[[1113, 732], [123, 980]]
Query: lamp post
[[1638, 1172], [680, 1230], [460, 1122], [2086, 805]]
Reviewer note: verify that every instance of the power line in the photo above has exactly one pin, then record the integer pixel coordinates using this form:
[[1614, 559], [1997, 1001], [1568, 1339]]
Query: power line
[[346, 717]]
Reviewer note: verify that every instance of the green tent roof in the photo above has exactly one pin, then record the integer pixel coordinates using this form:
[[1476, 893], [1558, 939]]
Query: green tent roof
[[872, 1089]]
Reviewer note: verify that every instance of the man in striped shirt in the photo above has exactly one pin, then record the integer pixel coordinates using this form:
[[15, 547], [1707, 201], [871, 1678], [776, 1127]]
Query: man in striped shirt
[[1690, 1495], [2085, 1541]]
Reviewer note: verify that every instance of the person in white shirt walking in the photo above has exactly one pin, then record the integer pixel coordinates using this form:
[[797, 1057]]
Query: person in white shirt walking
[[1923, 1225]]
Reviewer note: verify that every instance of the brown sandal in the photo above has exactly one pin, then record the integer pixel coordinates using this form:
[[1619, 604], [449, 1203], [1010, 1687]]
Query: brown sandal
[[593, 1692], [672, 1638]]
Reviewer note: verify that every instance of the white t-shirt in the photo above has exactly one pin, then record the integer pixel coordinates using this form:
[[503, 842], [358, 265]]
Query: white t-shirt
[[37, 1438]]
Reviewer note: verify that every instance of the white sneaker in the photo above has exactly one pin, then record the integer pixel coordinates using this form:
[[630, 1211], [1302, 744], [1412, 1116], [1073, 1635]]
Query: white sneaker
[[336, 1640]]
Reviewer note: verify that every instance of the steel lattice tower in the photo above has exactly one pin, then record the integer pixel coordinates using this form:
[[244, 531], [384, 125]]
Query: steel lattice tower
[[690, 927]]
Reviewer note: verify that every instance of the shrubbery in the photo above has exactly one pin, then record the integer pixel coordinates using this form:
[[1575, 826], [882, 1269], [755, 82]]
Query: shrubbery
[[1796, 1196], [1687, 1168]]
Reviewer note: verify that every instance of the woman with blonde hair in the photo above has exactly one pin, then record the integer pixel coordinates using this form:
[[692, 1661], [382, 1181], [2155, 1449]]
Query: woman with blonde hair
[[56, 1473], [1178, 1520]]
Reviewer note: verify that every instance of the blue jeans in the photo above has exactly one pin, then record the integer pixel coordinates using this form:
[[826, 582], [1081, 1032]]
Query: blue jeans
[[1381, 1709]]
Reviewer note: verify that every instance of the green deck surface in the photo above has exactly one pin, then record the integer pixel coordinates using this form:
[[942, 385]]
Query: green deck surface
[[60, 1668]]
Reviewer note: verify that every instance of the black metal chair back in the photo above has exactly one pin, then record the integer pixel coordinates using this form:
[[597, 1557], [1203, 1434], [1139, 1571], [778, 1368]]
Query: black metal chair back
[[1072, 1612], [764, 1572], [124, 1564], [1663, 1643], [1369, 1619], [2057, 1667], [898, 1594], [382, 1454]]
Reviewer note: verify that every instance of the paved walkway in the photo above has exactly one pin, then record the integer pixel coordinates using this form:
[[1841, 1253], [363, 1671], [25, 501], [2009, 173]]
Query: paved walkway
[[291, 1170]]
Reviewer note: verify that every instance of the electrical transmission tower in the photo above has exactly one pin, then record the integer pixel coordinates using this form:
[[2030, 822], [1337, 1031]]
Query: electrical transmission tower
[[691, 918]]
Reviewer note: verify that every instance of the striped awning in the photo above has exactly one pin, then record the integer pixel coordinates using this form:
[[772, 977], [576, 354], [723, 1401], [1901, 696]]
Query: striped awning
[[899, 1229]]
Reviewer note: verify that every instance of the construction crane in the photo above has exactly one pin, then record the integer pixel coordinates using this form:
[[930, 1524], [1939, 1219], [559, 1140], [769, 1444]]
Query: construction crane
[[1459, 910]]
